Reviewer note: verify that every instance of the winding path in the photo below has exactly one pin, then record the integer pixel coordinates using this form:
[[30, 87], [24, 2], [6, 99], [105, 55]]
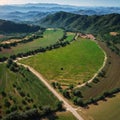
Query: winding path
[[66, 104]]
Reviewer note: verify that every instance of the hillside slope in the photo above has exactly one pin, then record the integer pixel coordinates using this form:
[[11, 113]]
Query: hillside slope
[[94, 24], [11, 27]]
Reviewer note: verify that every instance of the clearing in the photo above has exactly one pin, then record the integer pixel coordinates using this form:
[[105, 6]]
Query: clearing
[[50, 37], [73, 64]]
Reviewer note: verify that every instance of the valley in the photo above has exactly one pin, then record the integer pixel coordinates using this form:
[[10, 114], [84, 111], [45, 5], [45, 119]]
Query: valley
[[59, 62]]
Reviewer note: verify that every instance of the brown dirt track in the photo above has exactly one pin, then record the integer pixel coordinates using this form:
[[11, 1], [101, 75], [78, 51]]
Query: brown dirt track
[[111, 79]]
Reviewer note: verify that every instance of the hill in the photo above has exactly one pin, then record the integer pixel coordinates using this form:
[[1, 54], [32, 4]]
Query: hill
[[83, 23], [11, 27], [34, 12], [22, 91]]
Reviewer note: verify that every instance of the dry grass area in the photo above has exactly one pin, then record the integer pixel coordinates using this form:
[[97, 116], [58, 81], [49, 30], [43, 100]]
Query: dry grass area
[[114, 33], [105, 110]]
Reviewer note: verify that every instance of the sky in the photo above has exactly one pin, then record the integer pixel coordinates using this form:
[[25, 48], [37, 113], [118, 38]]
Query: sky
[[67, 2]]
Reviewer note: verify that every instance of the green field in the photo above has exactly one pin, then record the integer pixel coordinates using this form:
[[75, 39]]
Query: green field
[[16, 84], [65, 116], [73, 64], [70, 36], [50, 37], [106, 110]]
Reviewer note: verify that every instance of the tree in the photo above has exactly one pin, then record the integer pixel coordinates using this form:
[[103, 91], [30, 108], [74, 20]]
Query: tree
[[80, 102], [9, 62], [71, 86], [46, 109], [77, 93], [7, 103], [53, 84], [66, 94], [59, 105]]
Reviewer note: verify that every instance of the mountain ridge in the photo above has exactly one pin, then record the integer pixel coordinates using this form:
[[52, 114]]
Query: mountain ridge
[[83, 23]]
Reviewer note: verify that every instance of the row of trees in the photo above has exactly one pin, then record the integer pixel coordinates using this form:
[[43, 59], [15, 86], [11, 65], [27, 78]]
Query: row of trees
[[33, 113], [39, 50], [12, 107], [76, 96], [111, 41], [25, 40]]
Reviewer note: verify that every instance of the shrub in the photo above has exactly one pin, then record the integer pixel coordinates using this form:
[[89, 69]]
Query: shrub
[[3, 93], [13, 108], [8, 111], [95, 80], [77, 93], [59, 105], [53, 84], [66, 94], [46, 109], [7, 103]]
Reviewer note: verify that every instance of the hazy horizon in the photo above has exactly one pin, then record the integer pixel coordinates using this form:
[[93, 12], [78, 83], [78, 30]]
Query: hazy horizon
[[104, 3]]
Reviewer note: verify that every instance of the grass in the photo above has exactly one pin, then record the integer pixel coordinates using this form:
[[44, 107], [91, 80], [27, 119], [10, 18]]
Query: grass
[[106, 110], [31, 86], [73, 64], [65, 116], [70, 36], [50, 37], [110, 81]]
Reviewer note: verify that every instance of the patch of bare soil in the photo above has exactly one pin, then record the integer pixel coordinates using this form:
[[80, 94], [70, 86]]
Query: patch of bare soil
[[1, 36], [114, 33], [4, 51], [11, 41]]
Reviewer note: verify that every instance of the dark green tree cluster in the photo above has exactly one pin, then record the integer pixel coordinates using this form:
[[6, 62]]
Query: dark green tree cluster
[[11, 27]]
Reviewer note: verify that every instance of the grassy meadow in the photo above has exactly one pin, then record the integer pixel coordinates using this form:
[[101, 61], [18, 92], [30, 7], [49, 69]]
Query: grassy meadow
[[50, 37], [73, 64], [70, 36], [22, 92], [65, 116]]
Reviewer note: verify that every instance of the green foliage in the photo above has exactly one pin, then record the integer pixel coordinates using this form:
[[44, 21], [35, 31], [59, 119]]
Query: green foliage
[[66, 94], [93, 24], [11, 27], [77, 93], [24, 91], [28, 115], [7, 103], [59, 105], [48, 42], [74, 59]]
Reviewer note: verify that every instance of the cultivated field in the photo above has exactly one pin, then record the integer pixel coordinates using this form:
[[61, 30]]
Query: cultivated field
[[106, 110], [22, 91], [50, 37], [73, 64]]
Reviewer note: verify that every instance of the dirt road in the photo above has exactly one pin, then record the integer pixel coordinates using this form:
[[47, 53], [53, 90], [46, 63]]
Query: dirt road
[[66, 104], [96, 74]]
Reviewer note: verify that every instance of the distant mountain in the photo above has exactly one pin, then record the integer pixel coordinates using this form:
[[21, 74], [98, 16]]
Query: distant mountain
[[84, 23], [11, 27], [34, 12], [98, 11], [31, 12]]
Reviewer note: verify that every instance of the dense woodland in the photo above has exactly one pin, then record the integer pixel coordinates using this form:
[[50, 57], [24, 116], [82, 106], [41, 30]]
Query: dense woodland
[[11, 27]]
